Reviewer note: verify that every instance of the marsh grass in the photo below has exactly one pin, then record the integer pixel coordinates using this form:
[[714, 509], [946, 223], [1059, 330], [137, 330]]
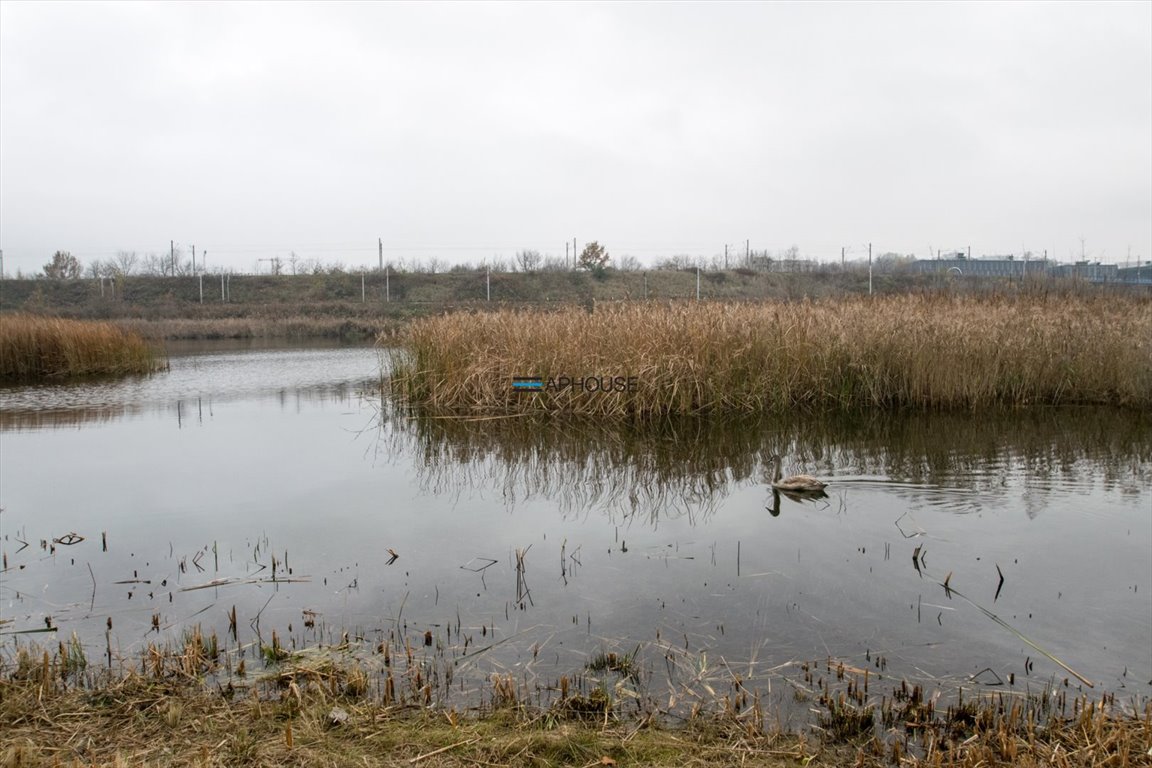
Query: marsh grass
[[323, 709], [36, 348], [927, 351]]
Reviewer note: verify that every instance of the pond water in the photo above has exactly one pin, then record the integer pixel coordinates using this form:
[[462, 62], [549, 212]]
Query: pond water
[[277, 482]]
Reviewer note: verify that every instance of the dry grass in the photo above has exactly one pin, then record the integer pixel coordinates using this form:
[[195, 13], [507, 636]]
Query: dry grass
[[55, 710], [266, 326], [916, 351], [37, 348]]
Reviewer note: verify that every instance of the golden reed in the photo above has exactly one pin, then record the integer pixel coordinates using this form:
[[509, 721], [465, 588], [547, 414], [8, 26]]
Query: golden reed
[[907, 351], [36, 348]]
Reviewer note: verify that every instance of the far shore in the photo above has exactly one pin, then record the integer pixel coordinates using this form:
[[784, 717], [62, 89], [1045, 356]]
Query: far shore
[[352, 307]]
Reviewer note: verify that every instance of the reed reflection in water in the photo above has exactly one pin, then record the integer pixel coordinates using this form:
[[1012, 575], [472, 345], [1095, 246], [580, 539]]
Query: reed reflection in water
[[658, 538], [914, 500], [685, 467]]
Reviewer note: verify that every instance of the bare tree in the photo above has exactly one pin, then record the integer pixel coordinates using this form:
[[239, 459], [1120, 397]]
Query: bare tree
[[125, 262], [528, 261], [64, 266], [98, 268], [154, 265], [679, 261], [310, 267], [629, 264]]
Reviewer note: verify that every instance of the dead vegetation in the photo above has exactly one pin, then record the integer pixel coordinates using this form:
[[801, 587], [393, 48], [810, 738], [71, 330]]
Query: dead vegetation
[[939, 352], [55, 710], [45, 348]]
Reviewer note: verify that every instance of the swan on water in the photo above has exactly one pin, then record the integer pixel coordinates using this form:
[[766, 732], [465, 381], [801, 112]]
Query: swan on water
[[795, 483]]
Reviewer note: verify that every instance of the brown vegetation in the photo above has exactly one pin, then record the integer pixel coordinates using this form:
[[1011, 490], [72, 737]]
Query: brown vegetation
[[930, 351], [36, 348], [55, 710]]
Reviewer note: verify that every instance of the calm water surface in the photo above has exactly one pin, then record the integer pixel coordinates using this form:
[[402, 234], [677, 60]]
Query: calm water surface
[[664, 542]]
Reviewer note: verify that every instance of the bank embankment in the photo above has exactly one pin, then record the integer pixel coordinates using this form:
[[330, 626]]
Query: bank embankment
[[56, 710]]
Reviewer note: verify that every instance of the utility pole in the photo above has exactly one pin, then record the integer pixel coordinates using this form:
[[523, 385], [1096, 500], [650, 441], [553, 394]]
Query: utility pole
[[725, 255], [841, 258], [747, 252], [869, 269], [380, 248], [172, 255]]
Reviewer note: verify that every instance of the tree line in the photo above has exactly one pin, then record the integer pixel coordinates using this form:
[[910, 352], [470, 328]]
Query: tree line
[[594, 258]]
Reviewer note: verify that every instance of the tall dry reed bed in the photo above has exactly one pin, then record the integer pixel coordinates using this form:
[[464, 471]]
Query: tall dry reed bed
[[38, 348], [921, 351]]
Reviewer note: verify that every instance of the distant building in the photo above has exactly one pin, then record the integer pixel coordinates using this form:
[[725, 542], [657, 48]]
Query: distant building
[[1010, 266], [1093, 272], [958, 264], [1139, 275]]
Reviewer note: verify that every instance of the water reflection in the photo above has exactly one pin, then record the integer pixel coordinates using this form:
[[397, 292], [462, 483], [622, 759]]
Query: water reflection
[[811, 497], [224, 463], [199, 377], [686, 467]]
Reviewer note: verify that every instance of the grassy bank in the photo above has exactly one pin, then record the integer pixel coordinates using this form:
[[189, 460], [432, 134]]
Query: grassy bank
[[55, 710], [411, 290], [37, 348], [931, 351], [262, 326], [349, 306]]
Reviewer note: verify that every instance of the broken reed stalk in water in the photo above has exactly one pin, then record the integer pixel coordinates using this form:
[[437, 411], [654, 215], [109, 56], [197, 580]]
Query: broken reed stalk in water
[[952, 591]]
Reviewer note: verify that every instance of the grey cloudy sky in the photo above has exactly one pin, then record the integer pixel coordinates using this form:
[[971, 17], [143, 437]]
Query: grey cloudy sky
[[467, 131]]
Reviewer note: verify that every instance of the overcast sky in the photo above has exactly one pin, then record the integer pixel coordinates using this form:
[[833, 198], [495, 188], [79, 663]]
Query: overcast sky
[[470, 131]]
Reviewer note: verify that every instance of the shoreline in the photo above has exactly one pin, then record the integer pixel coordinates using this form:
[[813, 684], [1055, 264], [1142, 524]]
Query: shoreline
[[302, 710], [347, 306]]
